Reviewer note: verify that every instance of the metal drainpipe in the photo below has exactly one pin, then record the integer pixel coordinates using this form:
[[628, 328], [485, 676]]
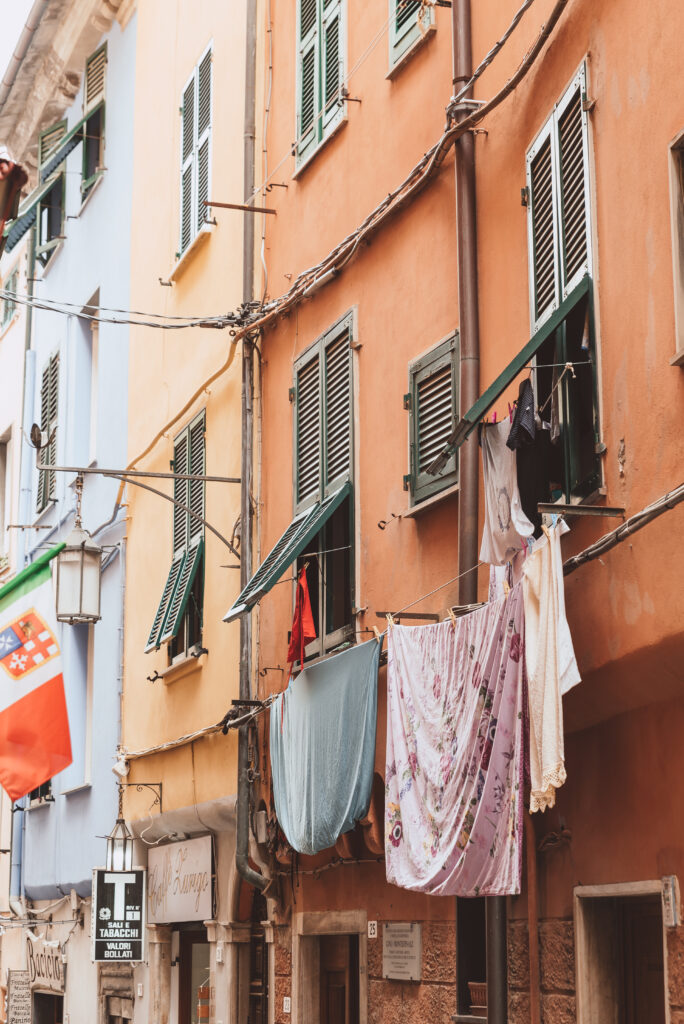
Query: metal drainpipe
[[466, 228], [242, 839]]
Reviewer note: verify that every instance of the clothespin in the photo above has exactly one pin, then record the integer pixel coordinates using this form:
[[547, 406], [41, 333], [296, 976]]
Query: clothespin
[[510, 412], [377, 633], [390, 620], [506, 588], [450, 613], [571, 368], [494, 417]]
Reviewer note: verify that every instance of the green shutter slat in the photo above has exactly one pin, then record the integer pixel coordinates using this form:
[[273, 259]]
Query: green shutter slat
[[543, 231], [308, 91], [197, 467], [204, 94], [168, 592], [180, 492], [337, 408], [188, 130], [307, 17], [332, 64], [308, 429], [181, 595], [49, 140], [202, 182], [572, 178], [186, 208], [406, 12], [95, 77], [435, 414], [293, 542]]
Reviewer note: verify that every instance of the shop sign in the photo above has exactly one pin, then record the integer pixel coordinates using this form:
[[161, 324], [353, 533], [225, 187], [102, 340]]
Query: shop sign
[[179, 882], [402, 951], [118, 915], [18, 997], [44, 962]]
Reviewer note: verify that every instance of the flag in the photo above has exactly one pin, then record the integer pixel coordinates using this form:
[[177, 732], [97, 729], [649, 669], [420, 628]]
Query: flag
[[303, 629], [34, 727]]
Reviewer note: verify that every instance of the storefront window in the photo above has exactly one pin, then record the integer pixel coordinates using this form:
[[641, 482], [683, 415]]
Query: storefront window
[[47, 1009], [194, 978]]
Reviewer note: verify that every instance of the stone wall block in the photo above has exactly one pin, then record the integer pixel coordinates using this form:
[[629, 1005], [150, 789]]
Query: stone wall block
[[518, 1007], [394, 1002], [375, 955], [557, 948], [518, 956], [439, 953], [558, 1009], [283, 951], [283, 987], [675, 966]]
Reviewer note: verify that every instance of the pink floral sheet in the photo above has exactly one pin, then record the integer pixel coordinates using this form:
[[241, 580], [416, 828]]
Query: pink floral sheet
[[454, 772]]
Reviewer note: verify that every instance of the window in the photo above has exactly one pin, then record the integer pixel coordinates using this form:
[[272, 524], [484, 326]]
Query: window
[[42, 794], [559, 227], [432, 402], [408, 25], [9, 304], [677, 212], [93, 129], [320, 72], [195, 173], [471, 951], [322, 531], [178, 621], [50, 220], [49, 406]]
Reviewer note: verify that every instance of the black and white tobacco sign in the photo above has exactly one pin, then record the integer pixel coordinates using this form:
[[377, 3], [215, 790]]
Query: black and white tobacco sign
[[118, 915]]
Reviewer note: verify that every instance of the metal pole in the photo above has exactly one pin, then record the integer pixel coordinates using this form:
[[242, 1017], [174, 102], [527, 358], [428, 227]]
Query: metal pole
[[466, 228]]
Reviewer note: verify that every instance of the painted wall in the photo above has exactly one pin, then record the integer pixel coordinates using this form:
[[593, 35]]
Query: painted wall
[[12, 341], [166, 368], [61, 843]]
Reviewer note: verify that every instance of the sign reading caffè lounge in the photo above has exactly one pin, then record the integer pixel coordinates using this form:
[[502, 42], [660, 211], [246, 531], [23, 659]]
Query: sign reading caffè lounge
[[179, 882]]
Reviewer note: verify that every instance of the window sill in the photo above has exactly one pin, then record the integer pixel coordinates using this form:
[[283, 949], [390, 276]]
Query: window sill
[[83, 788], [35, 805], [91, 191], [182, 668], [430, 502], [51, 259], [417, 44], [300, 168], [185, 258], [44, 512], [467, 1018]]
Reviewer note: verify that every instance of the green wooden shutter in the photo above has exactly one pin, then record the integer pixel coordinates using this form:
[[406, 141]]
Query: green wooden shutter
[[181, 595], [308, 431], [49, 403], [405, 29], [573, 191], [203, 136], [308, 128], [180, 492], [338, 409], [9, 304], [196, 442], [433, 413], [96, 67], [49, 139], [187, 155], [168, 594], [332, 106], [542, 212]]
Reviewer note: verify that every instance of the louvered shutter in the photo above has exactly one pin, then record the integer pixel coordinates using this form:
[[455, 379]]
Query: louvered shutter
[[308, 128], [203, 136], [308, 431], [332, 106], [543, 235], [574, 188], [49, 140], [338, 406], [181, 595], [187, 161], [180, 492], [197, 468], [94, 90], [49, 403], [434, 412], [168, 594], [404, 27]]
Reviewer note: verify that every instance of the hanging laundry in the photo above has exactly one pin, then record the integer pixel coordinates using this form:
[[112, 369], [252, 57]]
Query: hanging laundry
[[550, 662], [453, 781], [322, 745], [523, 427], [505, 522], [533, 465], [303, 629]]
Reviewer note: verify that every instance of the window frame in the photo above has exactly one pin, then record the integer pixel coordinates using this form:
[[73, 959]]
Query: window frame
[[326, 642], [87, 181], [191, 161], [324, 125], [44, 250], [48, 455], [404, 42], [550, 130], [9, 306], [446, 352]]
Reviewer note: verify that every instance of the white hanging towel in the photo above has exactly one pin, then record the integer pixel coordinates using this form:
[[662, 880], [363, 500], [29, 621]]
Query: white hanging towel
[[551, 665], [505, 523]]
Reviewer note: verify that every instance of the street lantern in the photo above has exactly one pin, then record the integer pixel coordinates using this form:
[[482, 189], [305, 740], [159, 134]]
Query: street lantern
[[120, 843], [79, 566]]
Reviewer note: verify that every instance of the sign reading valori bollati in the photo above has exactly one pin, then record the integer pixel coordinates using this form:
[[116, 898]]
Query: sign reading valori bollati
[[179, 882], [402, 951], [44, 963], [118, 915], [18, 997]]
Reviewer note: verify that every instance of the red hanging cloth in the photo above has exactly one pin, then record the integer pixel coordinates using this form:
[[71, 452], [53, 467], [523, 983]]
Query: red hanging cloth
[[303, 629]]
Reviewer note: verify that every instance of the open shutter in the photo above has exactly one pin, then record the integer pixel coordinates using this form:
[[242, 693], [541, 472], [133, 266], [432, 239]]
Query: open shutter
[[308, 129], [41, 500], [405, 29], [332, 106], [168, 594], [94, 90], [573, 168], [543, 230], [434, 408], [338, 406], [180, 493], [308, 431], [181, 595], [187, 156], [49, 402], [49, 139], [203, 136], [197, 467]]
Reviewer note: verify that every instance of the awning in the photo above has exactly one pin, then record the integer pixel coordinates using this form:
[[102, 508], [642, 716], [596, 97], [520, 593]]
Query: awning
[[470, 420], [26, 216], [299, 533]]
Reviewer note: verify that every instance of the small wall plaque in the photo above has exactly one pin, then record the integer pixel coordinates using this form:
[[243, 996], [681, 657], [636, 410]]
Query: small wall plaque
[[402, 951]]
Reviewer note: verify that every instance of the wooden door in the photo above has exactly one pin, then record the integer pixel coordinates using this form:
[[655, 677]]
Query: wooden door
[[644, 974], [339, 979]]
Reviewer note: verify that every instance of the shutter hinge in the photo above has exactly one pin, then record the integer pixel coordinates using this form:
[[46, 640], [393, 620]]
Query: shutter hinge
[[525, 196], [407, 401], [587, 104], [292, 394], [407, 481]]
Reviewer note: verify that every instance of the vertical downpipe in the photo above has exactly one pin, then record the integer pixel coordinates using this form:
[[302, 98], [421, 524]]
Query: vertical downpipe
[[466, 229], [242, 838]]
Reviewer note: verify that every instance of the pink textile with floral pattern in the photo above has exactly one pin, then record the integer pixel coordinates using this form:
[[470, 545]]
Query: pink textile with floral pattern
[[454, 772]]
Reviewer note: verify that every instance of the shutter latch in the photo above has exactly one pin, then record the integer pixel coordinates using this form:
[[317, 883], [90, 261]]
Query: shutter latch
[[407, 401], [291, 394], [524, 196], [587, 104], [407, 481]]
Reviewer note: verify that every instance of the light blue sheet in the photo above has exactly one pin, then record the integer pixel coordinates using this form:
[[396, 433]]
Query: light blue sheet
[[323, 748]]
